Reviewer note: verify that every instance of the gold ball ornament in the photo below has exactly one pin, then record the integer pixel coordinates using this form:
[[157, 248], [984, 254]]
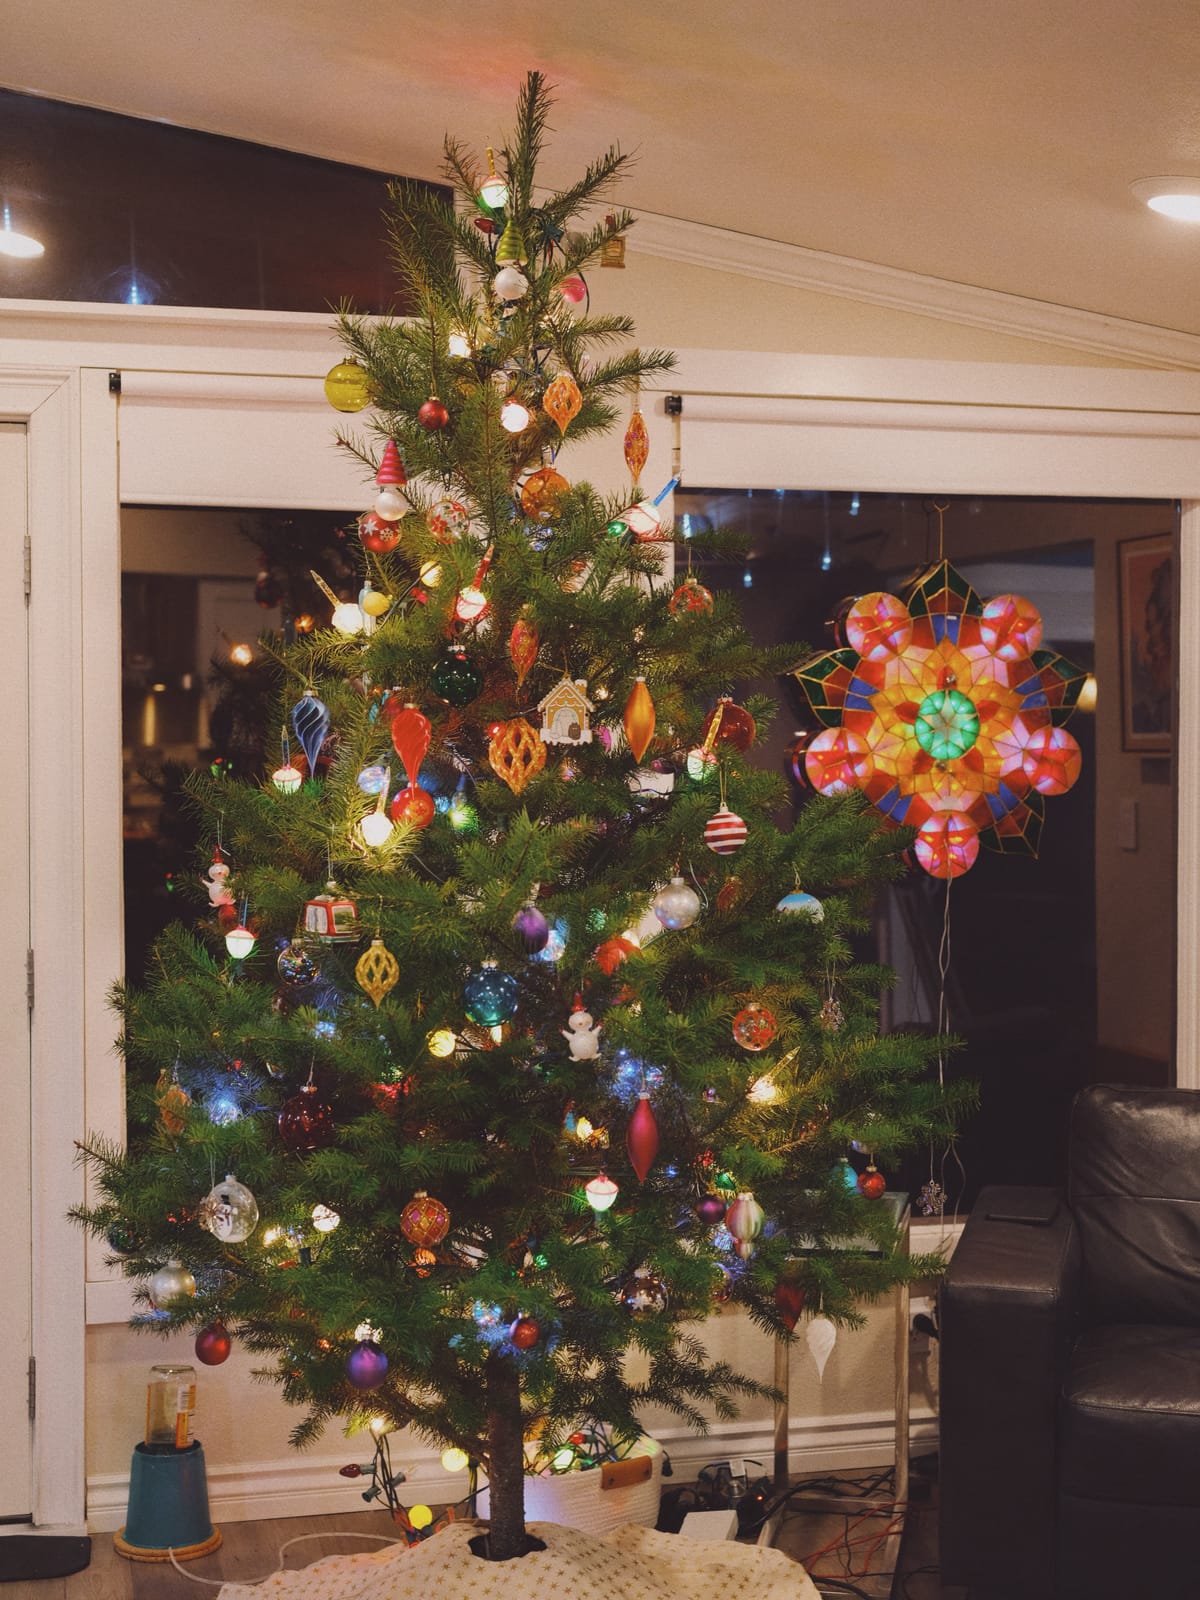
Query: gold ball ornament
[[375, 603], [377, 970], [348, 387], [516, 753], [542, 494], [562, 401], [424, 1220]]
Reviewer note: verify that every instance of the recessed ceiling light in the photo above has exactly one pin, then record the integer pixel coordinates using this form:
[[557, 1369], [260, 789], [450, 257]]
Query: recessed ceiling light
[[1171, 197], [18, 244]]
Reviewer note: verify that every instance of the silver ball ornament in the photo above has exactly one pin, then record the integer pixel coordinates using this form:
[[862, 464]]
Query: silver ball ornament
[[510, 283], [171, 1286], [229, 1211], [676, 906]]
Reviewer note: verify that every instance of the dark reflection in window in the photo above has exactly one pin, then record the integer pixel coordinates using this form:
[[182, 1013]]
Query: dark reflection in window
[[144, 213]]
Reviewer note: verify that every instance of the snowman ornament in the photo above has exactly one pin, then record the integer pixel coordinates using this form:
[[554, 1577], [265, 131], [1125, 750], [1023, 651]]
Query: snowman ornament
[[583, 1035], [218, 891]]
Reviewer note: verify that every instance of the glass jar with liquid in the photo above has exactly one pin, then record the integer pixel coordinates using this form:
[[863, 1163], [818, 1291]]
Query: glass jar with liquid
[[170, 1401]]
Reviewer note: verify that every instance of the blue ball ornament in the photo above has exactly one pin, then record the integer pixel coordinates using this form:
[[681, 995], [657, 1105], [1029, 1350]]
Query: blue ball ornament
[[372, 779], [489, 995]]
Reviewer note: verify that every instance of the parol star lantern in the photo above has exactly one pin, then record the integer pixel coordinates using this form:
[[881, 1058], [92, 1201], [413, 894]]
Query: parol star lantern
[[948, 715]]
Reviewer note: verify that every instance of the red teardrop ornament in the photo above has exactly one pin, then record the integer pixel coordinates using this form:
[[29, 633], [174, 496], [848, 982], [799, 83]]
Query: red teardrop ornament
[[411, 733], [789, 1302], [641, 1140]]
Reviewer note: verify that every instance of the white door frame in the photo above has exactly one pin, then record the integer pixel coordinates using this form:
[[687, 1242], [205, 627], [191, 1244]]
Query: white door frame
[[839, 423]]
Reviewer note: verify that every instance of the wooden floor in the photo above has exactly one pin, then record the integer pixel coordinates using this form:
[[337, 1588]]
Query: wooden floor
[[251, 1552]]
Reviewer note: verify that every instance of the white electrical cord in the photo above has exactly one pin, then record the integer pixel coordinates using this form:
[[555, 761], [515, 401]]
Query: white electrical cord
[[301, 1538]]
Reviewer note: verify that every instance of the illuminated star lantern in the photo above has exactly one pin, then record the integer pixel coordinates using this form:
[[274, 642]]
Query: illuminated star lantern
[[948, 715]]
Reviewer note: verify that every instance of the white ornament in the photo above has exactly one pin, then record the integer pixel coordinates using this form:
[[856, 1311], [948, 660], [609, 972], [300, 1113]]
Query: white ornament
[[583, 1036], [229, 1211], [218, 893], [676, 906], [565, 713], [510, 283], [820, 1338], [390, 504]]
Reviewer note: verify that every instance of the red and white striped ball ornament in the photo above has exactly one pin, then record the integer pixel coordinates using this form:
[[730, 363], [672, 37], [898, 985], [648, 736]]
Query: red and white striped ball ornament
[[725, 832]]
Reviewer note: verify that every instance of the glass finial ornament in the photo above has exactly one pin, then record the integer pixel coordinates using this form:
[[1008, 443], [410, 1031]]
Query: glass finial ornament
[[871, 1183], [424, 1221], [411, 733], [306, 1122], [489, 995], [562, 401], [565, 712], [298, 963], [820, 1337], [691, 599], [523, 645], [171, 1286], [377, 534], [725, 832], [516, 753], [348, 387], [744, 1220], [754, 1027], [310, 724], [457, 678], [531, 928], [433, 415], [493, 191], [601, 1192], [948, 714], [636, 445], [641, 1137], [377, 971], [797, 903], [448, 520], [390, 477], [229, 1211], [677, 906], [332, 916], [639, 719]]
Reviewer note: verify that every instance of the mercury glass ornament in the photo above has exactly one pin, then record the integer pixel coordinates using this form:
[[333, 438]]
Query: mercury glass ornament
[[297, 964], [489, 995], [676, 906], [229, 1211], [171, 1286], [645, 1293]]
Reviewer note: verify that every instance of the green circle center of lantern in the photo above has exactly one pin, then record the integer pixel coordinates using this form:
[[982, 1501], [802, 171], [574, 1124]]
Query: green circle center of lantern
[[947, 724]]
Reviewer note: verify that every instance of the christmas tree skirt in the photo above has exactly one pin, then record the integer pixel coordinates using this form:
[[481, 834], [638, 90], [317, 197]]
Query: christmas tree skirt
[[630, 1563]]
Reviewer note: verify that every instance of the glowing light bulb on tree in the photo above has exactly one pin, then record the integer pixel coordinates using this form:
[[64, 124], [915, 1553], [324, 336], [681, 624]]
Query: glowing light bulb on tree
[[455, 1460], [442, 1042], [347, 617], [493, 191], [472, 602], [601, 1192], [458, 345], [239, 942], [510, 284], [324, 1220], [514, 417], [376, 828]]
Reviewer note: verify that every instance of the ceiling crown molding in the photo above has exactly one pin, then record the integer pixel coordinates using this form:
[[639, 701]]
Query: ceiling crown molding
[[771, 261]]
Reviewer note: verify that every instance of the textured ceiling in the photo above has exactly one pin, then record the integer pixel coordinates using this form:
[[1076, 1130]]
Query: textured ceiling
[[987, 143]]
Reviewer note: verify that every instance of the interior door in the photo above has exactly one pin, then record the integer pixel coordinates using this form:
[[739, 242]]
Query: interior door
[[16, 1237]]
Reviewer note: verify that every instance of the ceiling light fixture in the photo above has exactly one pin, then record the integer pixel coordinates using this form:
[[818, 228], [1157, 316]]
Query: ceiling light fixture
[[1178, 198], [22, 245]]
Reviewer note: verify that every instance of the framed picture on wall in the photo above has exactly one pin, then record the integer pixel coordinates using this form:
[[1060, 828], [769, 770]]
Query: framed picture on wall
[[1146, 578]]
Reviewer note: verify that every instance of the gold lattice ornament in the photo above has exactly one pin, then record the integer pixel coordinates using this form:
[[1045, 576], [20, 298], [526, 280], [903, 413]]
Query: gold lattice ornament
[[562, 400], [516, 753], [377, 970]]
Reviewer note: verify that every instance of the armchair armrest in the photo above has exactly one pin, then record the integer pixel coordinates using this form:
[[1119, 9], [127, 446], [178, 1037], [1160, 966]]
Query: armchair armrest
[[1009, 1309]]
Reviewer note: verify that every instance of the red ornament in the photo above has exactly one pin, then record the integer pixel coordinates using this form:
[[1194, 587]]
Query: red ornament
[[391, 468], [227, 917], [376, 534], [413, 805], [433, 414], [725, 832], [710, 1208], [411, 732], [523, 644], [213, 1344], [754, 1027], [734, 725], [424, 1220], [729, 894], [612, 952], [789, 1302], [306, 1123], [872, 1183], [641, 1138], [525, 1333], [690, 597]]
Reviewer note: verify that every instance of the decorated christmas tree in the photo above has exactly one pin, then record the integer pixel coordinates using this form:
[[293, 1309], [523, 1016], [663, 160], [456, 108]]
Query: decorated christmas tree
[[521, 1030]]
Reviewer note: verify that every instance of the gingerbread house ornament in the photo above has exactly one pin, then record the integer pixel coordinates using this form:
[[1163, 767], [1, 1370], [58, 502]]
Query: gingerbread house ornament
[[565, 713]]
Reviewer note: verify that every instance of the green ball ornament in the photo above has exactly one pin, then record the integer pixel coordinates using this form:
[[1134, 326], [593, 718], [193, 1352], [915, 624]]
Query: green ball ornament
[[490, 996], [456, 678]]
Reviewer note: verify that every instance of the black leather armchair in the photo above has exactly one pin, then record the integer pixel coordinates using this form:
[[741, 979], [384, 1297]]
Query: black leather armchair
[[1070, 1368]]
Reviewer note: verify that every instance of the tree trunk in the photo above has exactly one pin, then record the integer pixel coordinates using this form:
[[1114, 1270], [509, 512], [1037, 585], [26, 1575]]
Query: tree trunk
[[506, 1459]]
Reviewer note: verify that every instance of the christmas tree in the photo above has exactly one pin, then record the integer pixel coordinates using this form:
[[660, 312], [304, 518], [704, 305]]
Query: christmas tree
[[576, 1039]]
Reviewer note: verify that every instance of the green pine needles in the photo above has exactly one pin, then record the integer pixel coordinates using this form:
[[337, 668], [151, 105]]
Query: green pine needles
[[216, 1047]]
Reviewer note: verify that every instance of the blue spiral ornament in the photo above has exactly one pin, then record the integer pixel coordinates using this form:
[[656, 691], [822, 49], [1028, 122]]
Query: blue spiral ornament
[[310, 723]]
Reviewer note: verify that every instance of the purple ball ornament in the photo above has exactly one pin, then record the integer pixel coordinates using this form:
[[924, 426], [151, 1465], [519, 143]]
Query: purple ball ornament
[[710, 1208], [532, 928], [366, 1365]]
